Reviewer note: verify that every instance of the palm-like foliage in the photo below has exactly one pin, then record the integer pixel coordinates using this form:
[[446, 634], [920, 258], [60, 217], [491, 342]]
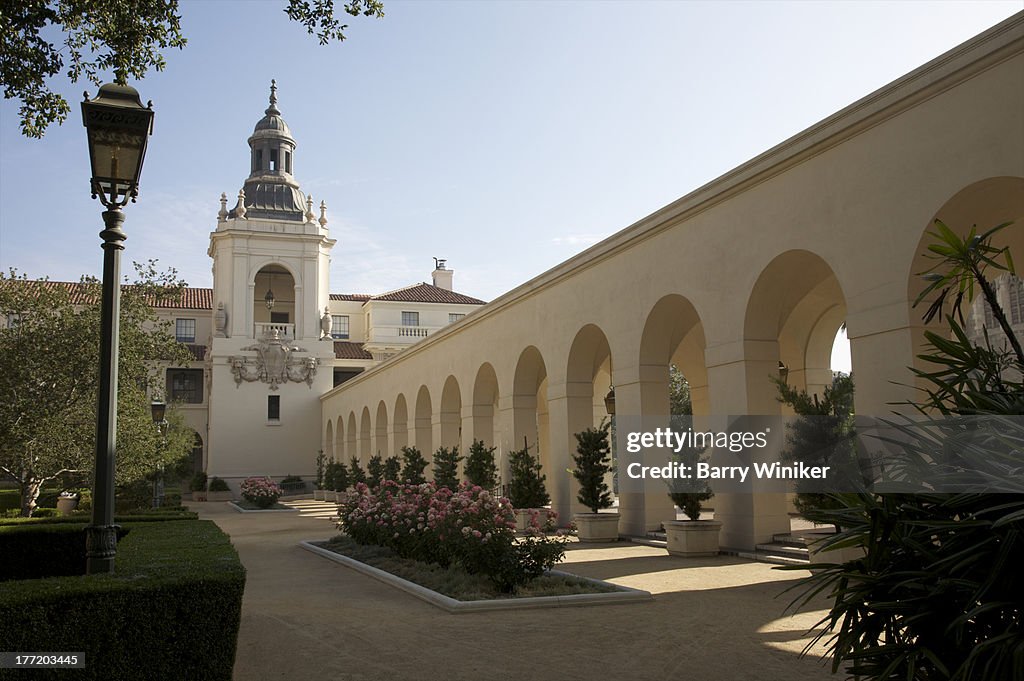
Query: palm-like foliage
[[937, 594]]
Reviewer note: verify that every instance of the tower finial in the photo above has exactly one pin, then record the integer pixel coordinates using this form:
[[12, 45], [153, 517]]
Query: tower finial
[[272, 109]]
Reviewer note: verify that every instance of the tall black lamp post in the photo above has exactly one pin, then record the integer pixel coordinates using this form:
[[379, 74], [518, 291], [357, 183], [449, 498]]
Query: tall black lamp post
[[118, 126]]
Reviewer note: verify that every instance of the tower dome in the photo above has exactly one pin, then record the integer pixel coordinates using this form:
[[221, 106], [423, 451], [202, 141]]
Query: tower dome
[[271, 191]]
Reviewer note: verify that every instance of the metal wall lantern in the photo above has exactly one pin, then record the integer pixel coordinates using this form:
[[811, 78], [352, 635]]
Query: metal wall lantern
[[119, 127], [609, 401], [159, 410], [269, 298]]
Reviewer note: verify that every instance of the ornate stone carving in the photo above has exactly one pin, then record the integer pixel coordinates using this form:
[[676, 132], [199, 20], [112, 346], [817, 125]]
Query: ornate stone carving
[[220, 321], [274, 363], [325, 325]]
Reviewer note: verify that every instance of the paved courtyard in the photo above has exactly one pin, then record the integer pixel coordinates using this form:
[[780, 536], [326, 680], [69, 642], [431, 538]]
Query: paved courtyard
[[715, 619]]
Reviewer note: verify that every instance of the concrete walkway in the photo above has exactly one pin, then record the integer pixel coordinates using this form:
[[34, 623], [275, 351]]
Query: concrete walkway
[[715, 619]]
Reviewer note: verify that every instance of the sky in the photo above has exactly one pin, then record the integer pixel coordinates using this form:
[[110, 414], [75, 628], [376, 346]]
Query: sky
[[503, 136]]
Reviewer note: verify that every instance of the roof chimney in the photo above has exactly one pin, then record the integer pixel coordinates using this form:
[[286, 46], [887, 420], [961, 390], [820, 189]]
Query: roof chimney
[[442, 275]]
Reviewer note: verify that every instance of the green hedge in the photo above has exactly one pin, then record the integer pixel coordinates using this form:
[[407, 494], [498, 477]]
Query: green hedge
[[171, 610], [33, 550], [152, 516]]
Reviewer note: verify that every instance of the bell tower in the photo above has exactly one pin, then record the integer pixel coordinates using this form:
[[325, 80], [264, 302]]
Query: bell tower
[[267, 363]]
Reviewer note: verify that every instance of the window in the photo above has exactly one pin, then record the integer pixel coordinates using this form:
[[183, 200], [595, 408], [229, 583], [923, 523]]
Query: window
[[185, 330], [273, 407], [185, 385], [278, 317], [1016, 301], [339, 326], [990, 317], [258, 163], [454, 317], [410, 319], [273, 159], [288, 161]]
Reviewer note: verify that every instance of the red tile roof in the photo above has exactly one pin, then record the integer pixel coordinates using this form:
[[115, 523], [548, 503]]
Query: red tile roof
[[85, 294], [193, 298], [427, 293], [349, 350]]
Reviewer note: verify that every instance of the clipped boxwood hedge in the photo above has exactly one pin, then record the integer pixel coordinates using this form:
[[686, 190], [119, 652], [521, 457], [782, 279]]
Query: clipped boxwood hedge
[[170, 611], [156, 515], [43, 549]]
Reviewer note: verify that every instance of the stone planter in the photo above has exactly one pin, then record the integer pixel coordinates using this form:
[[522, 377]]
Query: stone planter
[[692, 538], [199, 495], [319, 494], [597, 527], [66, 505], [523, 517], [220, 496]]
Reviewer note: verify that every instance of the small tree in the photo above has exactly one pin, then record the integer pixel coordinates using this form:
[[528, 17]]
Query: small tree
[[413, 465], [446, 467], [392, 468], [689, 493], [823, 435], [320, 464], [526, 484], [593, 462], [356, 473], [480, 468], [375, 471], [337, 476]]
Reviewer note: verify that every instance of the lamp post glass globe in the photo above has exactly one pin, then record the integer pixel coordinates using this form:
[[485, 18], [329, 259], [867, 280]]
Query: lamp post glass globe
[[118, 126]]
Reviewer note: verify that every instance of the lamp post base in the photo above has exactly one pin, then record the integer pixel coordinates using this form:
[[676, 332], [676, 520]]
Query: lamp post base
[[100, 548]]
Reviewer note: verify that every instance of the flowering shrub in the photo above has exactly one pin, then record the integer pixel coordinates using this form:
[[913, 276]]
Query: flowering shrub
[[467, 526], [261, 491]]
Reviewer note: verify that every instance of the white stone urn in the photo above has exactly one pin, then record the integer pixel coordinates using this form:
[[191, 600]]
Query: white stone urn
[[67, 504], [597, 527], [692, 538]]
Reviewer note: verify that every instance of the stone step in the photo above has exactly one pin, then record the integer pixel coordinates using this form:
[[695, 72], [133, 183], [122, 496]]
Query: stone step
[[786, 550], [775, 559]]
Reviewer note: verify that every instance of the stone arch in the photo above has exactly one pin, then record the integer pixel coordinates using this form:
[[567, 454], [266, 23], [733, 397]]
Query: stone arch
[[588, 382], [673, 334], [339, 440], [451, 413], [423, 435], [793, 313], [530, 416], [485, 403], [278, 278], [365, 439], [381, 430], [400, 424], [329, 440], [351, 451], [985, 203]]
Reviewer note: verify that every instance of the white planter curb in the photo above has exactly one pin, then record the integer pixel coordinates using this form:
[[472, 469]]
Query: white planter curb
[[624, 595], [261, 510]]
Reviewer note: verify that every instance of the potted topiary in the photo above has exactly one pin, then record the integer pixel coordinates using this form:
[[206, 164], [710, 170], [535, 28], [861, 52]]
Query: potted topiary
[[219, 491], [694, 537], [527, 492], [321, 469], [198, 486], [593, 462]]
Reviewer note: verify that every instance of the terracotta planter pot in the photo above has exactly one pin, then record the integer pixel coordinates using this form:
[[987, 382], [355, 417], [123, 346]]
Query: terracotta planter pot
[[692, 538], [597, 527]]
